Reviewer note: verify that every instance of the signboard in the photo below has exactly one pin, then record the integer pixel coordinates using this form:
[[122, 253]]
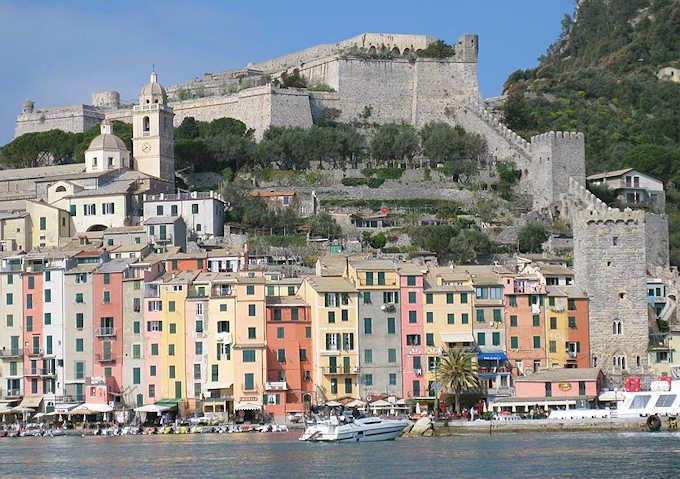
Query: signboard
[[564, 386]]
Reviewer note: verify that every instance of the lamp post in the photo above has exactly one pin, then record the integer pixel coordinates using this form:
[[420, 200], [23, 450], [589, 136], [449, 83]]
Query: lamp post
[[437, 387]]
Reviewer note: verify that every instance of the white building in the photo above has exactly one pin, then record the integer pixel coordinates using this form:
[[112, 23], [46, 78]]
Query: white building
[[202, 212]]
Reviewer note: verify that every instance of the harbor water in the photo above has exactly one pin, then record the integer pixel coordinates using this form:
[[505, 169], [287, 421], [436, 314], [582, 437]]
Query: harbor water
[[281, 455]]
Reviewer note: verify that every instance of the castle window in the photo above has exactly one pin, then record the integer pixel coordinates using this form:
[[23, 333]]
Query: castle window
[[622, 295], [94, 161], [615, 240], [637, 361], [60, 189], [110, 161], [145, 124], [619, 361], [594, 361], [616, 328]]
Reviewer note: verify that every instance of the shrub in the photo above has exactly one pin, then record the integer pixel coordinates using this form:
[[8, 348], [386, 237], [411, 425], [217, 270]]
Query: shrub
[[353, 181], [378, 240], [321, 87], [375, 182], [384, 173], [531, 237]]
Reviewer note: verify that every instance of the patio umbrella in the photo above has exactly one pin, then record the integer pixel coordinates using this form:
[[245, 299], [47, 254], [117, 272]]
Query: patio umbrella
[[484, 408], [333, 404], [355, 403]]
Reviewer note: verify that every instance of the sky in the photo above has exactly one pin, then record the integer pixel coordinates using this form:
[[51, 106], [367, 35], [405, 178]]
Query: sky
[[58, 53]]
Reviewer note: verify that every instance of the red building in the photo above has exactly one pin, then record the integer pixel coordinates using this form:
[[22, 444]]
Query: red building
[[289, 355], [108, 323], [187, 262], [35, 357]]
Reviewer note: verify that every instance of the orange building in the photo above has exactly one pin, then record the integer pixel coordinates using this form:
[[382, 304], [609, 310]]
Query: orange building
[[289, 355], [187, 262]]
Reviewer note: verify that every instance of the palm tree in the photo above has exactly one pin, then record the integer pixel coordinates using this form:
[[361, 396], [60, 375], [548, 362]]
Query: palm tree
[[457, 373]]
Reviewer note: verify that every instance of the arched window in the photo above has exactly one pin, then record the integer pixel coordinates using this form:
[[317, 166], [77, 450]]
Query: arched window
[[145, 124], [616, 327], [60, 189]]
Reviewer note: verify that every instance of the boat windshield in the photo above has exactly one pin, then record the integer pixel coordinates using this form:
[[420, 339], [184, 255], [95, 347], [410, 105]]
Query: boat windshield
[[665, 400], [640, 401]]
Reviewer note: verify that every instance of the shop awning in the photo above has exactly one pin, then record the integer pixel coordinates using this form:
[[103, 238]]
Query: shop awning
[[247, 406], [31, 401], [167, 403], [381, 403], [355, 403], [333, 404], [492, 356], [457, 337], [152, 408], [612, 396], [90, 408]]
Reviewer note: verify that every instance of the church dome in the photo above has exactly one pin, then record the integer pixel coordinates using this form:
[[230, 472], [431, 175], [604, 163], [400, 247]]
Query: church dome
[[153, 92], [107, 140]]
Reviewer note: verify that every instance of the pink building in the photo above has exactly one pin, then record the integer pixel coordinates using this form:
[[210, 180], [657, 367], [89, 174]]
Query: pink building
[[412, 332], [36, 357], [153, 320], [553, 389]]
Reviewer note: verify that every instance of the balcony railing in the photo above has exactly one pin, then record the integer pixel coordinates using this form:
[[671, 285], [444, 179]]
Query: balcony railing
[[10, 393], [11, 353], [32, 353], [105, 358], [101, 332], [40, 372], [340, 370]]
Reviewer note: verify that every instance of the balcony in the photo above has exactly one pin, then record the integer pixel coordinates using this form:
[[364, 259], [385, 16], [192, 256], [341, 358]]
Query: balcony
[[35, 268], [105, 358], [11, 354], [12, 393], [34, 353], [340, 370], [40, 372], [105, 332]]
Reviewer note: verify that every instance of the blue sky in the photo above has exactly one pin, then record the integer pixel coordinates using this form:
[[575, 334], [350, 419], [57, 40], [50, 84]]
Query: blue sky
[[57, 53]]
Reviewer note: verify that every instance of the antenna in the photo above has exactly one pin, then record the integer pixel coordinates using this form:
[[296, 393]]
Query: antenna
[[153, 67]]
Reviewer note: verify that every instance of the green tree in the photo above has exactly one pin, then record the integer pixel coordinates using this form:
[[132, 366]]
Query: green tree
[[468, 246], [293, 80], [438, 49], [655, 160], [394, 143], [531, 237], [188, 129], [324, 225], [457, 373], [379, 240]]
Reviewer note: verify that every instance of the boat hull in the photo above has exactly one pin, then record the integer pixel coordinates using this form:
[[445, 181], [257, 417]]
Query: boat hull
[[354, 432]]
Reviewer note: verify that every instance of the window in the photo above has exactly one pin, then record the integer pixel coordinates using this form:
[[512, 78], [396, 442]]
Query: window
[[48, 319], [548, 390], [29, 301], [89, 209], [391, 326], [223, 308], [79, 297], [416, 388], [368, 326], [552, 346], [79, 345], [368, 379], [173, 328], [412, 317], [171, 349], [553, 323], [391, 355], [513, 321], [249, 381], [251, 333], [199, 326], [512, 300], [154, 349], [173, 210], [294, 315], [481, 339], [251, 310], [450, 318], [291, 290], [248, 355], [334, 386], [381, 278], [171, 306], [152, 390], [463, 298], [171, 371], [536, 320], [250, 289], [496, 338], [429, 317], [428, 298], [572, 322], [31, 282], [308, 332], [80, 370], [10, 321], [136, 376], [393, 379], [107, 278], [303, 354], [9, 298], [344, 315], [537, 342], [107, 297], [72, 210], [480, 315], [198, 348], [410, 280], [136, 305], [194, 208], [159, 210], [43, 223], [29, 323], [368, 356], [449, 298], [279, 333], [412, 297], [331, 317], [571, 304], [413, 339], [429, 339], [281, 355], [369, 278], [348, 385], [616, 327]]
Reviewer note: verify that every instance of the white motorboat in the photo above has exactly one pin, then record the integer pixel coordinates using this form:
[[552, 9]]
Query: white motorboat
[[367, 429]]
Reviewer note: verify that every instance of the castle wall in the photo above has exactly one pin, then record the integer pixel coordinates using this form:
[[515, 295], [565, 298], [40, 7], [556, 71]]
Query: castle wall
[[75, 119], [656, 242]]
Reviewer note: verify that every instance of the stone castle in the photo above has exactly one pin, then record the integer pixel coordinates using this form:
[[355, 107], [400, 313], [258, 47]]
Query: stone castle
[[614, 250]]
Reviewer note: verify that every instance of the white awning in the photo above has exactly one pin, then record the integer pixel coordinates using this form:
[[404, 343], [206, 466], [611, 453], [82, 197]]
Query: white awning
[[153, 408], [457, 337], [381, 403], [333, 404], [90, 408], [31, 401], [355, 403], [247, 406]]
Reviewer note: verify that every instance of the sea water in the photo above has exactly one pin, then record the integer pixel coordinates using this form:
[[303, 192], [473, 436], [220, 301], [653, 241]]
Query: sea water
[[281, 455]]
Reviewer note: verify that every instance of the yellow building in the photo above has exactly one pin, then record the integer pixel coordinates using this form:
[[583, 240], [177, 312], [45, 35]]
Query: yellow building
[[333, 305], [556, 327], [49, 224], [279, 286], [220, 378], [173, 294], [249, 345], [15, 231], [448, 310]]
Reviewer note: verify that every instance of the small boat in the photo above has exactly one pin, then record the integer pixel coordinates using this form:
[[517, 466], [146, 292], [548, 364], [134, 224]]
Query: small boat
[[367, 429]]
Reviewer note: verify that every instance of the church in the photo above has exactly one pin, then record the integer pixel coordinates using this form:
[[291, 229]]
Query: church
[[47, 206]]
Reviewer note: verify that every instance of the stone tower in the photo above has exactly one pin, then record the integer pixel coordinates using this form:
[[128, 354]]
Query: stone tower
[[614, 250], [152, 132]]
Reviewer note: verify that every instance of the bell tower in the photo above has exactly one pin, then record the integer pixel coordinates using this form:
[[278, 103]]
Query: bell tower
[[152, 132]]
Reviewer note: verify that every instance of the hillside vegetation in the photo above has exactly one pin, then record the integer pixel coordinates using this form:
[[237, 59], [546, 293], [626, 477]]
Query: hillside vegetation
[[600, 77]]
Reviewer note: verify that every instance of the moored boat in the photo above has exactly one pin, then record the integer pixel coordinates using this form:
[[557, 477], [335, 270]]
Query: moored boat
[[369, 429]]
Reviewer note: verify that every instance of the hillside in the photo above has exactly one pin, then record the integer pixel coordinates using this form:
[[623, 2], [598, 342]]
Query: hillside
[[600, 77]]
